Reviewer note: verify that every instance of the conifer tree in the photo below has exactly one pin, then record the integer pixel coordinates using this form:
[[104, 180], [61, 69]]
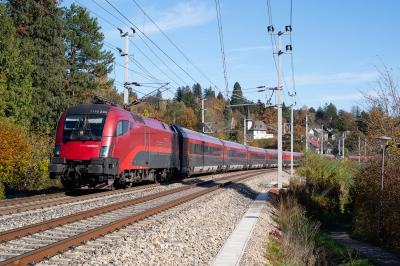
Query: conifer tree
[[197, 90], [220, 96], [178, 94], [15, 72], [237, 98], [86, 60], [40, 24]]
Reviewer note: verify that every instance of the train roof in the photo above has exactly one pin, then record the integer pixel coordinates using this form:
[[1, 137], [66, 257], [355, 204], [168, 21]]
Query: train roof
[[199, 136], [251, 148], [89, 109]]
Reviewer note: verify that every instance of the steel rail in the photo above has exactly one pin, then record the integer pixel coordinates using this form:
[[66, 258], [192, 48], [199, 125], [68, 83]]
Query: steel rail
[[18, 232], [50, 250], [8, 206]]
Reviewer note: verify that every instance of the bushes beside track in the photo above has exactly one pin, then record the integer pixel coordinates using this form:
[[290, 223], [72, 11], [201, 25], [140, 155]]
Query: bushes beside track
[[24, 157], [366, 203], [329, 182]]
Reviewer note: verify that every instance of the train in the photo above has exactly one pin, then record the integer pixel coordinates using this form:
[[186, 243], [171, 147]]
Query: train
[[100, 146], [106, 147]]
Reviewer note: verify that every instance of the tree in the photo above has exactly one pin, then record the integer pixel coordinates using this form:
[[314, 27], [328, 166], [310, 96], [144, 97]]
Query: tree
[[270, 117], [312, 110], [15, 72], [132, 94], [45, 33], [178, 94], [197, 90], [286, 112], [320, 114], [188, 98], [86, 61], [159, 94], [228, 116], [209, 93], [301, 115], [220, 96], [237, 98], [330, 112]]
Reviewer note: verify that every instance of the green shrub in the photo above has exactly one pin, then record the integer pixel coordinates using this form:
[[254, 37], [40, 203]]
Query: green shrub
[[330, 181]]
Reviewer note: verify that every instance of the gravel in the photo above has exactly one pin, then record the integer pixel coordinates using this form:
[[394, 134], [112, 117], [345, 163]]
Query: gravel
[[16, 220], [189, 234], [255, 249]]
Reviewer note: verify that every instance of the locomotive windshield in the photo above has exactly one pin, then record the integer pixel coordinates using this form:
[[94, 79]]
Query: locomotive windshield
[[83, 127]]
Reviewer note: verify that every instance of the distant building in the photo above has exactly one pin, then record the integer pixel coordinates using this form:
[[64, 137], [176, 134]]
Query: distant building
[[314, 145], [259, 130]]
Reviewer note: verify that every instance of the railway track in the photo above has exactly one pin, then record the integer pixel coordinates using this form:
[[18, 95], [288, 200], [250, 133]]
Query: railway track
[[43, 201], [23, 246]]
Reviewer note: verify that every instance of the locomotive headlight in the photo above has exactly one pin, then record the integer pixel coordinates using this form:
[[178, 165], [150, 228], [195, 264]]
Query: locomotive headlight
[[57, 151], [104, 150]]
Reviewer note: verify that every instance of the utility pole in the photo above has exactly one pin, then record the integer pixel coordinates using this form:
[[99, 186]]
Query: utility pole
[[322, 140], [279, 53], [359, 150], [339, 148], [291, 136], [365, 147], [343, 144], [202, 114], [126, 65], [244, 131], [306, 133]]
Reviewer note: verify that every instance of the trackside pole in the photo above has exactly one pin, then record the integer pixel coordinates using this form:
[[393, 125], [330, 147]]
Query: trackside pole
[[279, 53]]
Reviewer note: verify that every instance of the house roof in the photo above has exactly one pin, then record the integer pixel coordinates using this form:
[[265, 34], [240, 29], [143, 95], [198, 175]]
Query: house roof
[[314, 143], [259, 126], [319, 130]]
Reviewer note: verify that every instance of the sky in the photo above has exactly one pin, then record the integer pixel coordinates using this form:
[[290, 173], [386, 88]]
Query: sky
[[338, 46]]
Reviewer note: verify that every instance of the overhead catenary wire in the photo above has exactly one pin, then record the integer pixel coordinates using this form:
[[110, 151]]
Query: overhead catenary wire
[[174, 45], [272, 42], [133, 42], [221, 41], [152, 42]]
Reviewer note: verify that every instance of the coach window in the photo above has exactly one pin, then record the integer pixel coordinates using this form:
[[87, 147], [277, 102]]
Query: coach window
[[122, 128]]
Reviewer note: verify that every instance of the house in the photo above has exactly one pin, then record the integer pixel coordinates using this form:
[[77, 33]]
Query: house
[[258, 130], [314, 145], [319, 133]]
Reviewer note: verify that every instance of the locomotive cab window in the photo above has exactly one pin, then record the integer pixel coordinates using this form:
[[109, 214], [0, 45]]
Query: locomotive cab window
[[122, 128], [83, 127]]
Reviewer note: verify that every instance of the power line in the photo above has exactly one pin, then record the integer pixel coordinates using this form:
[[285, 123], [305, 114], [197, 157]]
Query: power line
[[272, 42], [221, 41], [153, 63], [152, 42], [133, 42], [172, 44]]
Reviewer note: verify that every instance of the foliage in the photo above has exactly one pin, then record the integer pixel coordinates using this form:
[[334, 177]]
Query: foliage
[[209, 93], [323, 174], [86, 62], [294, 245], [23, 157], [367, 198], [44, 32], [15, 72], [197, 91], [301, 239], [237, 98]]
